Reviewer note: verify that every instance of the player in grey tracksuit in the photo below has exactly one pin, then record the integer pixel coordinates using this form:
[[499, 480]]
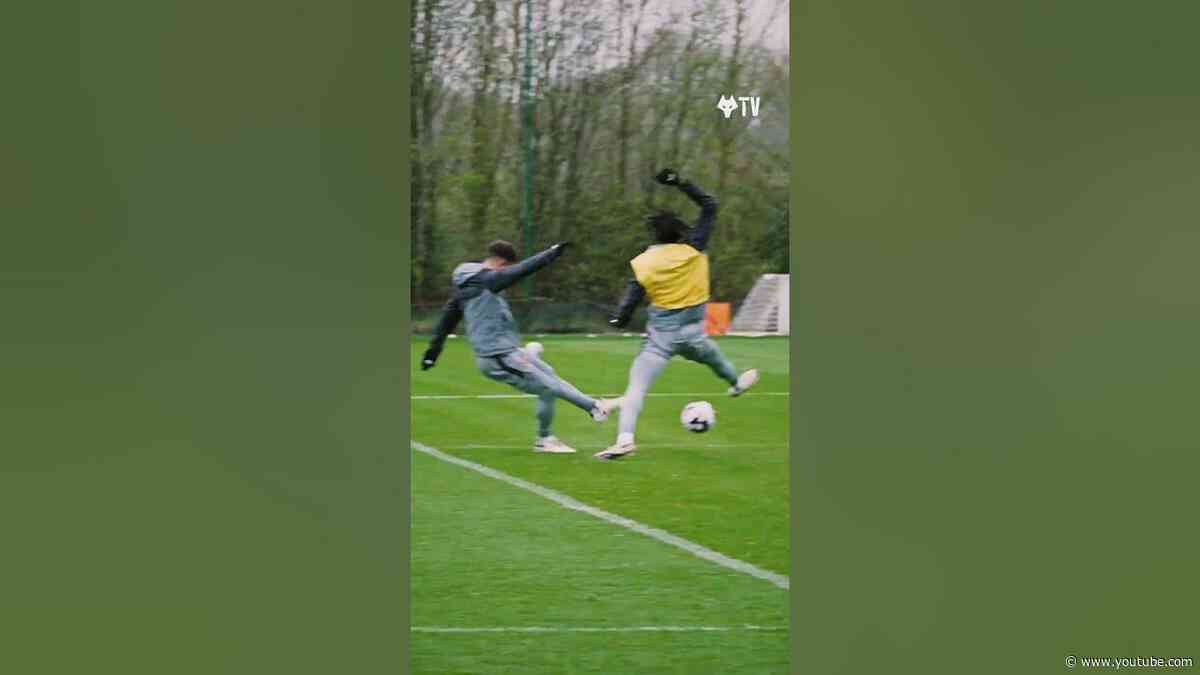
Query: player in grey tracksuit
[[494, 338]]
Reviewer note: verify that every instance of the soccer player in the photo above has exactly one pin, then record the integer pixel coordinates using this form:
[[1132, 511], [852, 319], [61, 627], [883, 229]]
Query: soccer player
[[673, 273], [493, 335]]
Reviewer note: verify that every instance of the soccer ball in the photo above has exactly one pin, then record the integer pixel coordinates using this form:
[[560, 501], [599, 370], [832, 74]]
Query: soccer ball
[[698, 416]]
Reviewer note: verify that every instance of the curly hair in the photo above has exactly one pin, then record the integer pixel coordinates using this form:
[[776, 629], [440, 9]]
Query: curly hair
[[666, 227]]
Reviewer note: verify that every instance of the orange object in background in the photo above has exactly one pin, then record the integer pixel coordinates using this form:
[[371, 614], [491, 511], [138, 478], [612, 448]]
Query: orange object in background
[[717, 319]]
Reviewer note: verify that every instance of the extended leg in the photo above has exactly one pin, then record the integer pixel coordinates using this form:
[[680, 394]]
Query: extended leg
[[558, 387], [706, 351], [516, 370]]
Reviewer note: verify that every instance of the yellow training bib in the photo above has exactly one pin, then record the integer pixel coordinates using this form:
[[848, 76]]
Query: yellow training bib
[[674, 275]]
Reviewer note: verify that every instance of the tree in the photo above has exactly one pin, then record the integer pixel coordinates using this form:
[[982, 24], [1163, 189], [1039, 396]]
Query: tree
[[614, 102]]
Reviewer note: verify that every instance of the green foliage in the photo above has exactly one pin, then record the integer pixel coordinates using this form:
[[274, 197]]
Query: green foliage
[[604, 107], [773, 247]]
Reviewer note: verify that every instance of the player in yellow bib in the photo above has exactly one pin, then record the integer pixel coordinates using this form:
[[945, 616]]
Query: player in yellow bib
[[673, 275]]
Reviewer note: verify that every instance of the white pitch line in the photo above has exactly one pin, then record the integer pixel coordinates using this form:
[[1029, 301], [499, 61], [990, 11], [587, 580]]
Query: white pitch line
[[452, 397], [654, 533], [647, 447], [596, 629]]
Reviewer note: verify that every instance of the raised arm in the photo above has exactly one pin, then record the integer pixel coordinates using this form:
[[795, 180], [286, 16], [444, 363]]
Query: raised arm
[[702, 230], [452, 313], [498, 280], [634, 293]]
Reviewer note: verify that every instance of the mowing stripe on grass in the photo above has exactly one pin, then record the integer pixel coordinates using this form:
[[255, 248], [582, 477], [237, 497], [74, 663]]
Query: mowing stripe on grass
[[597, 629], [450, 397], [575, 505]]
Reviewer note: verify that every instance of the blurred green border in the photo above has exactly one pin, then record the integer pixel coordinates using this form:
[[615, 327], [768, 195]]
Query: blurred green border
[[796, 356], [994, 334], [203, 337], [405, 66]]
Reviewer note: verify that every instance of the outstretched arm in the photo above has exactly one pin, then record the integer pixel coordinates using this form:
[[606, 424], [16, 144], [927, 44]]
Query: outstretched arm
[[629, 302], [498, 280], [451, 314]]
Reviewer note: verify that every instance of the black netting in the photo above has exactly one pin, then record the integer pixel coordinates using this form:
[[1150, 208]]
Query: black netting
[[540, 315]]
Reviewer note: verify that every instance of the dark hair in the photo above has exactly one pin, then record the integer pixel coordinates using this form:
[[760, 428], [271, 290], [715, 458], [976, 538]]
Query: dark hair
[[666, 226], [503, 250]]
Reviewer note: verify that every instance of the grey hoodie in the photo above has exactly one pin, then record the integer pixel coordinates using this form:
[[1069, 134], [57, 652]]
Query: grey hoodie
[[491, 328]]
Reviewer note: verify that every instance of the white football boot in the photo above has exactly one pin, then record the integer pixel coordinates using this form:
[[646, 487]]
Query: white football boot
[[552, 445], [744, 382], [604, 407], [616, 451]]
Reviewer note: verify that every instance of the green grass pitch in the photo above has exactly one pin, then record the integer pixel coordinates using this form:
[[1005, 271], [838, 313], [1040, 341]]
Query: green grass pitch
[[489, 555]]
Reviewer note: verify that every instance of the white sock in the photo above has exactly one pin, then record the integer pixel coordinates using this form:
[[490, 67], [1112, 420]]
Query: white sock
[[624, 439]]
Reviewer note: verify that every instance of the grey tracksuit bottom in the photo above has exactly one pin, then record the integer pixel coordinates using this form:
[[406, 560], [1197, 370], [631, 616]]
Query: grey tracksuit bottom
[[664, 340], [532, 375]]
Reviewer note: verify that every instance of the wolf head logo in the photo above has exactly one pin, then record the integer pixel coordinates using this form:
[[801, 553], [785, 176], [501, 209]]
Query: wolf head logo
[[727, 105]]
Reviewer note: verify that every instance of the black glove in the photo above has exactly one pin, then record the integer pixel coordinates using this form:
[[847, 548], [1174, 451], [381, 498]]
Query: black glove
[[667, 177], [617, 322], [428, 359]]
